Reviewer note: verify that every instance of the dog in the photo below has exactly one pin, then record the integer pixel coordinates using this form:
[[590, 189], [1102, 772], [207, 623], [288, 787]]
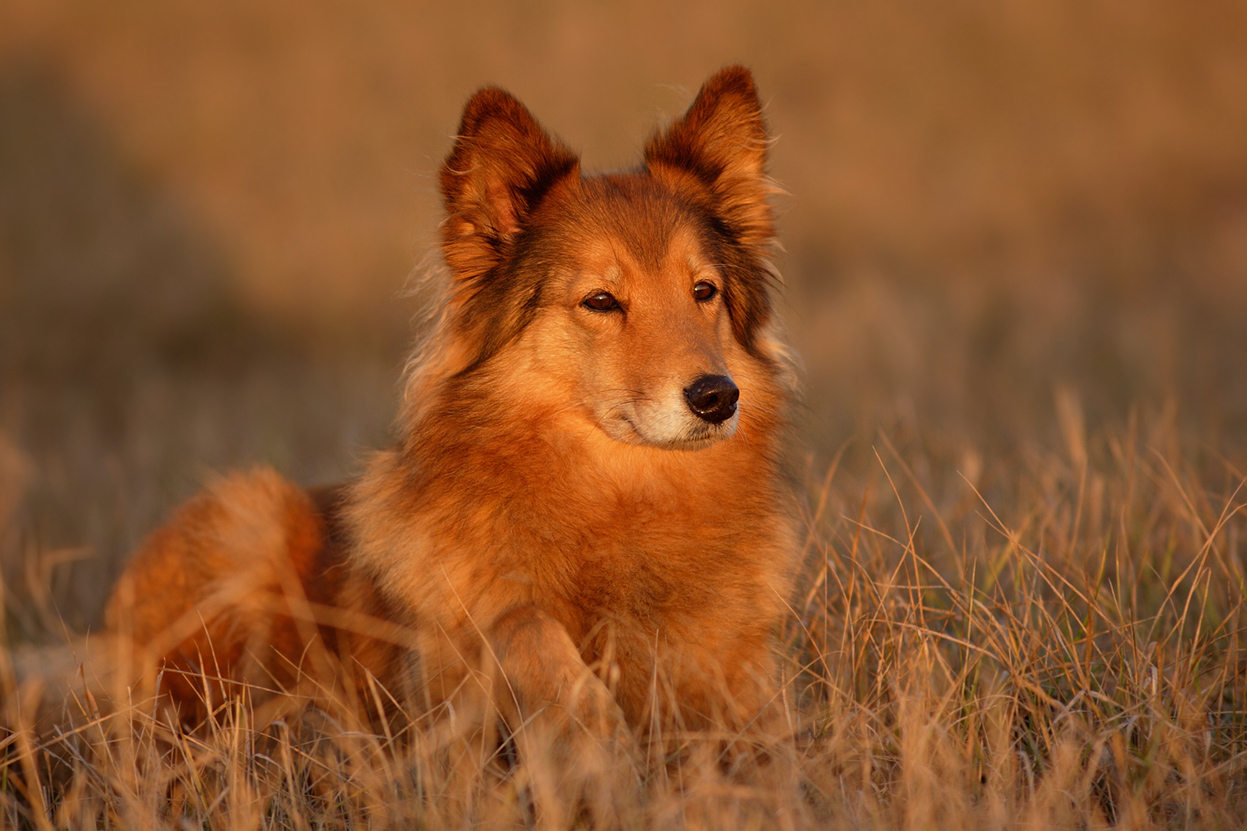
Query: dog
[[586, 511]]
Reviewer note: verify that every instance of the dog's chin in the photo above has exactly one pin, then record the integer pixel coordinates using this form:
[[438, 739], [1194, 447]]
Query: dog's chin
[[694, 436]]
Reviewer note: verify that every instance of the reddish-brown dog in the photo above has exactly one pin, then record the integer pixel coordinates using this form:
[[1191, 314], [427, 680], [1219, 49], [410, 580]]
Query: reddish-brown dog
[[585, 512]]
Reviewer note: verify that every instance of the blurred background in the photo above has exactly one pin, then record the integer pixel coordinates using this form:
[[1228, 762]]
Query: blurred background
[[1008, 226]]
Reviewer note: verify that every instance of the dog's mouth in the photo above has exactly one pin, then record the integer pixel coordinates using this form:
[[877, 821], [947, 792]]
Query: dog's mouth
[[694, 435]]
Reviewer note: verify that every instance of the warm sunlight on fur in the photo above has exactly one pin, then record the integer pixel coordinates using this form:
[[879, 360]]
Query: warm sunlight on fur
[[585, 522]]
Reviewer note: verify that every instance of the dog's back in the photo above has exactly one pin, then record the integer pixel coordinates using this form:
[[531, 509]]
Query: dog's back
[[244, 586]]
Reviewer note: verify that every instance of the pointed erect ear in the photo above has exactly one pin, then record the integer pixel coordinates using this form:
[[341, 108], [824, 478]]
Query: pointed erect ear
[[501, 166], [721, 142]]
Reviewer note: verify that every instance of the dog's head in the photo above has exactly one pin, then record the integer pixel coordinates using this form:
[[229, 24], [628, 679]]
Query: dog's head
[[643, 296]]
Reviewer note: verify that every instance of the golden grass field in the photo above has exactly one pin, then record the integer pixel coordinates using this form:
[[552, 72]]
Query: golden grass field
[[1015, 268]]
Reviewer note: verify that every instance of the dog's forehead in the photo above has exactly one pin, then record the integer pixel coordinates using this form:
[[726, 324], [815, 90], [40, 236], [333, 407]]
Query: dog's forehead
[[640, 226], [631, 268]]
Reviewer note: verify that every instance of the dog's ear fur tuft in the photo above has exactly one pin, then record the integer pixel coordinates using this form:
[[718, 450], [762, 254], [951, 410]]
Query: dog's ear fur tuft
[[502, 164], [722, 142]]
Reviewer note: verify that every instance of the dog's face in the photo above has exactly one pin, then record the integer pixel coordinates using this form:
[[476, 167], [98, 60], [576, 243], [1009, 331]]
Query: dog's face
[[640, 293], [633, 312]]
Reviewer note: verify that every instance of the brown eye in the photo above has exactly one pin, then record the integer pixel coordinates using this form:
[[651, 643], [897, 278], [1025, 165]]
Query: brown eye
[[601, 302], [704, 291]]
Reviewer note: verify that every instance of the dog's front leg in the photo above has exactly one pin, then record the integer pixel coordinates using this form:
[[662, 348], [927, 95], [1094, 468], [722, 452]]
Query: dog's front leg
[[543, 679], [572, 737]]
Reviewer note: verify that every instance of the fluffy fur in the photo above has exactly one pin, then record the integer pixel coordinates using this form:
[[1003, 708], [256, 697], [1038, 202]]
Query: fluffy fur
[[579, 518]]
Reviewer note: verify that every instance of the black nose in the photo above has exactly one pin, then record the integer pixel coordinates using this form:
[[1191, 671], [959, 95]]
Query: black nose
[[712, 398]]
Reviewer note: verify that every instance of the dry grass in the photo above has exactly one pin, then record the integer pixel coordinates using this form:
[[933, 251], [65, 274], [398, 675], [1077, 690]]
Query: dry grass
[[1057, 645], [1016, 247], [1059, 649]]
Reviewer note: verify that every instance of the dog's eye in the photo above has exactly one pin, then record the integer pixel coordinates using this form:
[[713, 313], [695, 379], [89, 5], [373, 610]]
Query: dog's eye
[[601, 302], [704, 291]]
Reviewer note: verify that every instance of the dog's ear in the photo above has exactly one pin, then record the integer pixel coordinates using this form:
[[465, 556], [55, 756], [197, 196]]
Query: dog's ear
[[721, 142], [719, 148], [501, 166]]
